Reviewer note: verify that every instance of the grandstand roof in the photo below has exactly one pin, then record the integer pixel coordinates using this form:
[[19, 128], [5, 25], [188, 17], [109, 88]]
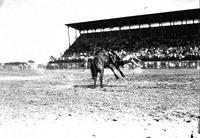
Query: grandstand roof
[[139, 19]]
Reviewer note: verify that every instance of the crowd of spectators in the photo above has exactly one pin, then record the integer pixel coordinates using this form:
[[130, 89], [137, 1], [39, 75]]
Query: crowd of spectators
[[147, 49], [184, 48]]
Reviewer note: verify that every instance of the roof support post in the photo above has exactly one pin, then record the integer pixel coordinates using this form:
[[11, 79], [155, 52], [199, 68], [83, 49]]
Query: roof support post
[[199, 109], [174, 29], [150, 26], [100, 32], [119, 31], [92, 31], [171, 25], [186, 27], [87, 36], [161, 26], [83, 31], [92, 34], [199, 34], [110, 34], [129, 30], [68, 35], [161, 31], [150, 30], [76, 36], [140, 31]]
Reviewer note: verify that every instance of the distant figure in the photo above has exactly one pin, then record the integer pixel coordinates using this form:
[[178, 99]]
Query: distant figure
[[85, 62]]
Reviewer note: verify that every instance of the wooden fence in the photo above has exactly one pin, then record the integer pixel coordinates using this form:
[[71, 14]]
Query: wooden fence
[[185, 64]]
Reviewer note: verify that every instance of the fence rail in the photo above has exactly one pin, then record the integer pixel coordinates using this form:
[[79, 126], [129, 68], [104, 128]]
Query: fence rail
[[185, 64]]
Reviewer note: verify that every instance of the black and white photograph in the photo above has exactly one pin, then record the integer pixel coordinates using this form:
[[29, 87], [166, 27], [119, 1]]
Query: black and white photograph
[[100, 69]]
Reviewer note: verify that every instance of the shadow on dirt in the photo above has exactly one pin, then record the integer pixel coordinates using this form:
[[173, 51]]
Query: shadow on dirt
[[92, 86], [83, 86]]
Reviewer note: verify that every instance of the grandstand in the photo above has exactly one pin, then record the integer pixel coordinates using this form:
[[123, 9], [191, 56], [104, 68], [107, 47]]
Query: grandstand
[[171, 35]]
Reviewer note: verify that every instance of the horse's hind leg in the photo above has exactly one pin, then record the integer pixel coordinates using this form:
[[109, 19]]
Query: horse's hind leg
[[94, 74], [95, 81], [101, 78]]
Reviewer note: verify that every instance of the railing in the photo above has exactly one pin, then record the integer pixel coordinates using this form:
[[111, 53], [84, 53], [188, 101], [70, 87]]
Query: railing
[[185, 64]]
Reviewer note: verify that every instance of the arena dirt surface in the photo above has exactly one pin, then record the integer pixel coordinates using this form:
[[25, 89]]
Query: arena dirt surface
[[63, 104]]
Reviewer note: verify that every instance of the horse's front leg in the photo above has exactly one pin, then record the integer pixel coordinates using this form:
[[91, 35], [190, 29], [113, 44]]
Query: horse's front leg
[[114, 72], [122, 74]]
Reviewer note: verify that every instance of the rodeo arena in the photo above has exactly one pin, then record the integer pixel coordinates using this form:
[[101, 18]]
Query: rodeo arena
[[127, 77]]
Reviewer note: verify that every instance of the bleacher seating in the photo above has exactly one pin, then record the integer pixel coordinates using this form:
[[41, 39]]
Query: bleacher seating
[[180, 42]]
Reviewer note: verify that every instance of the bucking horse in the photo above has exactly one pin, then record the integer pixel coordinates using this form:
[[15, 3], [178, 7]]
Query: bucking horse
[[107, 59]]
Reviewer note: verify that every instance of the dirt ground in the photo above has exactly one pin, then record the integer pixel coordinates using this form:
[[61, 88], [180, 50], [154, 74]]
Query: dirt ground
[[63, 104]]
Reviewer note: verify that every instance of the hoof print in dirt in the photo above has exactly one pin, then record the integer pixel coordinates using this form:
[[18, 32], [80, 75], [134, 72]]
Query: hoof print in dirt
[[187, 121], [157, 120], [112, 108], [164, 129], [114, 120], [69, 114]]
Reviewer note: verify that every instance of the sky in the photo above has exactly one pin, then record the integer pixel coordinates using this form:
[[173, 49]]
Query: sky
[[35, 29]]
